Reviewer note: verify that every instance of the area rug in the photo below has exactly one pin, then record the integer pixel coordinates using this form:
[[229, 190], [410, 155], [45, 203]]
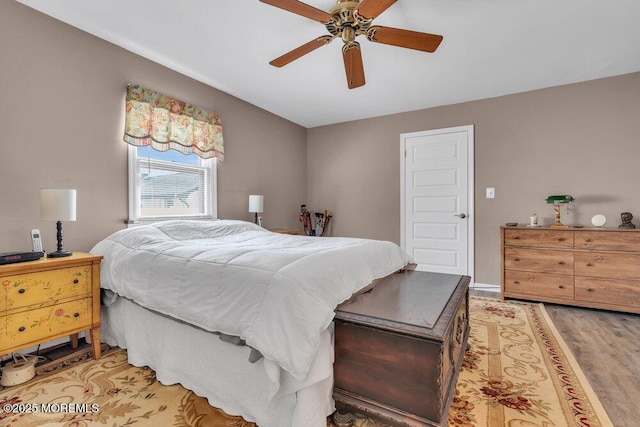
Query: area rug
[[516, 372], [519, 372]]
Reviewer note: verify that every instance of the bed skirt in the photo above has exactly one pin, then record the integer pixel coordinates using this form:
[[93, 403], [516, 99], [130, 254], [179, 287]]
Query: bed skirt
[[260, 392]]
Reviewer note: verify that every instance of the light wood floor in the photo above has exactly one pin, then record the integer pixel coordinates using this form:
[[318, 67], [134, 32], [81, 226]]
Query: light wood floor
[[606, 345]]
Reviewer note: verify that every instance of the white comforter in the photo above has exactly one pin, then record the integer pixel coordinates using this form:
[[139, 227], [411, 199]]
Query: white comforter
[[275, 291]]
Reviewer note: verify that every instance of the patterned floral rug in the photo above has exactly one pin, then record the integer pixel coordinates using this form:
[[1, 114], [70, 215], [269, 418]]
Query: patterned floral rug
[[517, 372]]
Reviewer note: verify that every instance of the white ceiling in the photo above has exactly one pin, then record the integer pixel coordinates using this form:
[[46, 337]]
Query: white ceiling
[[490, 48]]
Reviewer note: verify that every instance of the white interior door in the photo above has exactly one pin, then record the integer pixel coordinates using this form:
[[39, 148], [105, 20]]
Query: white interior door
[[437, 199]]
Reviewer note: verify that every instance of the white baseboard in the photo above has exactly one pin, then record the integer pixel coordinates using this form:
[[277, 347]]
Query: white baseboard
[[485, 287]]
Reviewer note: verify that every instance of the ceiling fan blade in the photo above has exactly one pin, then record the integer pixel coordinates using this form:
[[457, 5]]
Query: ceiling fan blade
[[353, 64], [301, 9], [301, 51], [369, 9], [404, 38]]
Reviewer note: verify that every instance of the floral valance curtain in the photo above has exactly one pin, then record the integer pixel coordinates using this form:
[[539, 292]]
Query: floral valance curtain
[[165, 123]]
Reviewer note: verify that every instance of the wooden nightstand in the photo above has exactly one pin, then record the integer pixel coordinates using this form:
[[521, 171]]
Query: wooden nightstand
[[48, 299]]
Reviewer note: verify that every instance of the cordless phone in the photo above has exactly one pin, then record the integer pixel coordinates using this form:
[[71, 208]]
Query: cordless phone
[[36, 240]]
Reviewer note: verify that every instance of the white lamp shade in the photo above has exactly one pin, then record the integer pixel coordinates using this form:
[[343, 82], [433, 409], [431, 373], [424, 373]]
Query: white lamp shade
[[256, 203], [57, 204]]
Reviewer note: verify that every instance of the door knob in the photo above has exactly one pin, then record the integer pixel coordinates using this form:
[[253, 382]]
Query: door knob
[[463, 216]]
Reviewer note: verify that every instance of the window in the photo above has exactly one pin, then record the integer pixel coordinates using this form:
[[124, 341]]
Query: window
[[170, 185]]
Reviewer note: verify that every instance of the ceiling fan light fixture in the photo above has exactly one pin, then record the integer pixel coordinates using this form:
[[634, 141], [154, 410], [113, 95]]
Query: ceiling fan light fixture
[[349, 19]]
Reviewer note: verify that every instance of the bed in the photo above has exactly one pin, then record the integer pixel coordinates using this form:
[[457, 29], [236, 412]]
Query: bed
[[236, 313]]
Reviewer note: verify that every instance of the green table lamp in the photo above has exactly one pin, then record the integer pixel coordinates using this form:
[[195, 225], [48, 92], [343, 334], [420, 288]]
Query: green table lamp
[[558, 201]]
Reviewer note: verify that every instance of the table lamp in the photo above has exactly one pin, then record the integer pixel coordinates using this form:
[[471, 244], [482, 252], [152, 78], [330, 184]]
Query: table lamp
[[58, 205], [256, 205], [557, 201]]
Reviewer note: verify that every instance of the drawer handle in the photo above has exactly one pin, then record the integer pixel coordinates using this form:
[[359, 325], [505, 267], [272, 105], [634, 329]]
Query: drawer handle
[[561, 286], [561, 239], [516, 259], [21, 328], [590, 289], [587, 240], [75, 281], [561, 262], [76, 314], [516, 237], [589, 264], [516, 282], [21, 291]]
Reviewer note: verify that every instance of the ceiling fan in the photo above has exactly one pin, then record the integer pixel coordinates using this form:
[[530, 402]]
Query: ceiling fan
[[347, 20]]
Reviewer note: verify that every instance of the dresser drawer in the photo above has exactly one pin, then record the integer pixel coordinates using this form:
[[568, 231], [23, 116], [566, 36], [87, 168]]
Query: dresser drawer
[[539, 238], [608, 265], [534, 284], [608, 240], [540, 260], [603, 291], [46, 287], [34, 325]]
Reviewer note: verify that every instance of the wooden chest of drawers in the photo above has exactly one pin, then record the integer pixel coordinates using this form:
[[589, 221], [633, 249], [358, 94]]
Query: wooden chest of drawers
[[399, 348], [48, 299], [597, 268]]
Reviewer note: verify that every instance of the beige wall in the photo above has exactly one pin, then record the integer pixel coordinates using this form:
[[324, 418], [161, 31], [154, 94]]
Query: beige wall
[[61, 121], [579, 139]]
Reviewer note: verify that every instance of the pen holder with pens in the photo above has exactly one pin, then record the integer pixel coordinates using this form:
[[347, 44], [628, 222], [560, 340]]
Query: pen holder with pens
[[316, 224]]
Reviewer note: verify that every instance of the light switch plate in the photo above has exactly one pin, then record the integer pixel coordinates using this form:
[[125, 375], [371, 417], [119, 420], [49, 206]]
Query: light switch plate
[[491, 193]]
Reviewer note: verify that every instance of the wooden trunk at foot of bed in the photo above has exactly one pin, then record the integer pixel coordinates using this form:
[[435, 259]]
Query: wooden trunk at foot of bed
[[399, 348]]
